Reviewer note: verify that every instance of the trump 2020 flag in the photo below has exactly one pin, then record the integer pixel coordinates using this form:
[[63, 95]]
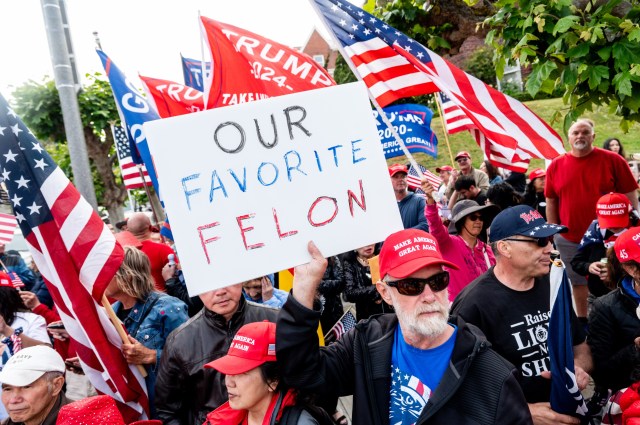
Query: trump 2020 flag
[[565, 394], [77, 255], [413, 124]]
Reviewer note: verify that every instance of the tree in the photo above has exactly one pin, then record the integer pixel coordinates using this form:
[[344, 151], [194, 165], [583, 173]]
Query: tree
[[588, 48], [39, 106]]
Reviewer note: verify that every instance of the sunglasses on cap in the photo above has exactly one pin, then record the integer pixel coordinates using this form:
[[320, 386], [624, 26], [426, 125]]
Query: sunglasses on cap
[[541, 242], [414, 286]]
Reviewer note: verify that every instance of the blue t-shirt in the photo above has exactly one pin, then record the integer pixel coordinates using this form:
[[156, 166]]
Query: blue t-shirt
[[415, 373]]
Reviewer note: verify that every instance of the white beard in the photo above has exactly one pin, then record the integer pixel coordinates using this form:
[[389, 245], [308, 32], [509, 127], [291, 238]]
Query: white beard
[[429, 326]]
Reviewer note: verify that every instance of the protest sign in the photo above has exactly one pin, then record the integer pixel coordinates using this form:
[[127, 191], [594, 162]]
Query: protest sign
[[247, 186], [413, 124]]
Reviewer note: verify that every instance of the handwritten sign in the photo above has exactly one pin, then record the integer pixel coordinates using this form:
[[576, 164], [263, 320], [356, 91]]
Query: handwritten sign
[[248, 186]]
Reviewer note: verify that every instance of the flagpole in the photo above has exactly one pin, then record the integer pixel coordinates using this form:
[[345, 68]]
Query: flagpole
[[396, 136], [444, 128], [120, 329], [203, 66], [146, 189], [336, 324]]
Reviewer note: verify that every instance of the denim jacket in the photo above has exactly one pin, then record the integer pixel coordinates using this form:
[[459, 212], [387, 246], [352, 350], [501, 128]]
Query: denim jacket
[[151, 321]]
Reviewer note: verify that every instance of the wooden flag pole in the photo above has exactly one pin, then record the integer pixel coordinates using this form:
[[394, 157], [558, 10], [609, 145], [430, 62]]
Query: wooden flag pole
[[120, 329], [444, 129]]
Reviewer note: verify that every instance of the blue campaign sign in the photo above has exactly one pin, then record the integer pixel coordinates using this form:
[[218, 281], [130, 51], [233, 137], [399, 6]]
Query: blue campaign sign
[[413, 124]]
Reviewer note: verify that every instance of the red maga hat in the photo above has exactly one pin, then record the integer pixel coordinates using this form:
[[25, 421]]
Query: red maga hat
[[407, 251], [253, 345]]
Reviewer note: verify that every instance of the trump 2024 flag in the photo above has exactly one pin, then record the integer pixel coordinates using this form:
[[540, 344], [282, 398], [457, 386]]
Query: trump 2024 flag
[[565, 394]]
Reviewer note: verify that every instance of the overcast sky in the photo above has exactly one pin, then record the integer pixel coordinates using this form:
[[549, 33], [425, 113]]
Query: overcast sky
[[140, 36]]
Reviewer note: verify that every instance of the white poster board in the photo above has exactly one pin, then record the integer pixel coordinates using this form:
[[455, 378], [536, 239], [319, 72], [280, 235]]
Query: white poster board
[[243, 202]]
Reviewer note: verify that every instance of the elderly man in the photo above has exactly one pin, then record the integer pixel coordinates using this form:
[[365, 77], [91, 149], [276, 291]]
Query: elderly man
[[574, 183], [510, 303], [185, 391], [140, 226], [463, 159], [411, 206], [32, 382], [381, 361]]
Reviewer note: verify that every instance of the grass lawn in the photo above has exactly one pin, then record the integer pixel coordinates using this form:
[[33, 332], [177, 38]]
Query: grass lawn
[[606, 126]]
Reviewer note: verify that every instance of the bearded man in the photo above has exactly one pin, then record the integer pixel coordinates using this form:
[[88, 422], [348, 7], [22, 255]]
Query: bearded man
[[383, 360]]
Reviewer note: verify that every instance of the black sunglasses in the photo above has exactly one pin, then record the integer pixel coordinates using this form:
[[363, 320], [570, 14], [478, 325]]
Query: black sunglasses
[[541, 242], [476, 217], [413, 286]]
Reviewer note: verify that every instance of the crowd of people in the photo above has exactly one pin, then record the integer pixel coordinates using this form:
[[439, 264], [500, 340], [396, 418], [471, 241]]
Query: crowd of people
[[452, 313]]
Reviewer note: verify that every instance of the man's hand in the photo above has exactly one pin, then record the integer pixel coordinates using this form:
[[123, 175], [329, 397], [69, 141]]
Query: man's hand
[[582, 377], [543, 415], [599, 269], [60, 334], [307, 277], [168, 271], [136, 353], [267, 288], [30, 299]]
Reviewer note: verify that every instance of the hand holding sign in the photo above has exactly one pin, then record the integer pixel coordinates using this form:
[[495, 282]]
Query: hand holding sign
[[307, 277]]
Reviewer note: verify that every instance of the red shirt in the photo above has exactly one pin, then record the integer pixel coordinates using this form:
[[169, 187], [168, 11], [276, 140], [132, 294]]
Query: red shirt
[[157, 253], [578, 183]]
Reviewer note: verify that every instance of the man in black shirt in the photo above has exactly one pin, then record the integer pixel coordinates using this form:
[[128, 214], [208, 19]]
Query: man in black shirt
[[510, 303]]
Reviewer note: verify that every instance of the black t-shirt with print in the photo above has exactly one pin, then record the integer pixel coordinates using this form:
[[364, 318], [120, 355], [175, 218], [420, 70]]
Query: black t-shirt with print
[[517, 324]]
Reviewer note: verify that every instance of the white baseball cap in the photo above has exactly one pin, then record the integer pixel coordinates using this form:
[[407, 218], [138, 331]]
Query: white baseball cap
[[29, 364]]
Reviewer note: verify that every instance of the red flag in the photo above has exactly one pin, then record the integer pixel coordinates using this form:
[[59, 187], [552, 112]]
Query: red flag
[[248, 67], [77, 256], [172, 99], [394, 66]]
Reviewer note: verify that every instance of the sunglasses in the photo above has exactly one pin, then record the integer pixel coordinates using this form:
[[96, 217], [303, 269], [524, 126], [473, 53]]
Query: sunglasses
[[541, 242], [475, 217], [413, 286], [462, 159]]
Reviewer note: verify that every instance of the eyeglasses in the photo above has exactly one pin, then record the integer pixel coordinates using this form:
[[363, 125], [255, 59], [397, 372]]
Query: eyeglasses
[[413, 286], [541, 242], [475, 217]]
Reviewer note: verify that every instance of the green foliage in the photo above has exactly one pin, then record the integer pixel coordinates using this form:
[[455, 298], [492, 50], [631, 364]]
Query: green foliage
[[410, 17], [591, 54], [480, 65], [38, 104]]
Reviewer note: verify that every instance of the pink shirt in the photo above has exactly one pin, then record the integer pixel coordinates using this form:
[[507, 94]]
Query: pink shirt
[[472, 261]]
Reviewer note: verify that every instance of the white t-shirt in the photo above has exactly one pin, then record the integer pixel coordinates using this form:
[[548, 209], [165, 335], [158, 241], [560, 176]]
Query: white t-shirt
[[33, 326]]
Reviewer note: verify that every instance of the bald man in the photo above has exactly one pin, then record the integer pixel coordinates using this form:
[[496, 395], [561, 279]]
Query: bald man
[[140, 226]]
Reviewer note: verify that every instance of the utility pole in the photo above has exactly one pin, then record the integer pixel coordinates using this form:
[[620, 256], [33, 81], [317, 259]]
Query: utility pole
[[64, 79]]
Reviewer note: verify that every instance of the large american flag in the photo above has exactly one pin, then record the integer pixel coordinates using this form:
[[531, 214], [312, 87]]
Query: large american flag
[[394, 66], [130, 172], [77, 256], [455, 120], [8, 226]]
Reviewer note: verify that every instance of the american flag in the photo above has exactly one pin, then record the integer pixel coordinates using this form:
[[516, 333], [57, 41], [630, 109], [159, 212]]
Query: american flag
[[77, 256], [15, 279], [8, 226], [456, 120], [342, 326], [414, 178], [394, 66], [130, 173]]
